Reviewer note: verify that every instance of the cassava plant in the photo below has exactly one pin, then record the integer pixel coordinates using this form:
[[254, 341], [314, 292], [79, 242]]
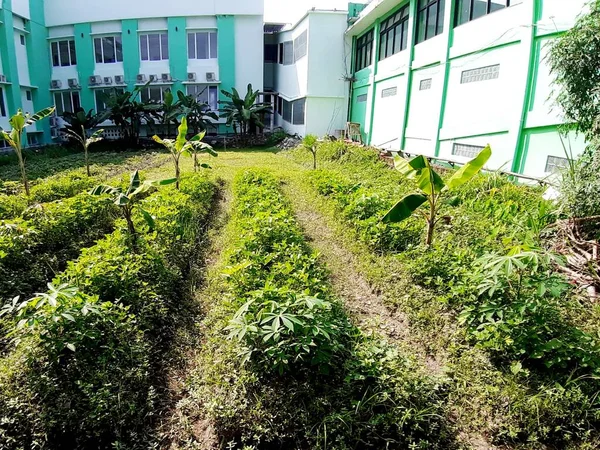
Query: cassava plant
[[433, 188], [129, 200], [19, 122], [181, 146], [310, 143], [85, 143]]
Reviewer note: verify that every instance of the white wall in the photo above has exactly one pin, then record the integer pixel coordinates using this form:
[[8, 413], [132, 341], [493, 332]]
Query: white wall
[[21, 53], [21, 8], [389, 114], [325, 116], [64, 12], [249, 52], [548, 143]]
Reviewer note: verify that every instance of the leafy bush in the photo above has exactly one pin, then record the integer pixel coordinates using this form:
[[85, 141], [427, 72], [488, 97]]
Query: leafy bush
[[580, 191]]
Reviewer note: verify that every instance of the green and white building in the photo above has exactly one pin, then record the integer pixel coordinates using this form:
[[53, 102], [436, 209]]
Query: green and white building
[[444, 78], [66, 52]]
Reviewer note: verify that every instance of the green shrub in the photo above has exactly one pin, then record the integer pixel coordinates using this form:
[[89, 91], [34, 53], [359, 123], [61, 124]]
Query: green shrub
[[580, 190], [12, 206]]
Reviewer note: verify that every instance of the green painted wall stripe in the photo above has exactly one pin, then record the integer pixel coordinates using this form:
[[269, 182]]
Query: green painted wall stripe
[[471, 136], [351, 88], [178, 51], [131, 51], [226, 51], [9, 59], [409, 79], [40, 71], [84, 49]]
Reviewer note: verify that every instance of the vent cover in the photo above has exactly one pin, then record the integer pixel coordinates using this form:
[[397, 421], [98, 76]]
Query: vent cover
[[389, 92], [481, 74], [425, 84], [361, 98], [556, 164], [468, 151]]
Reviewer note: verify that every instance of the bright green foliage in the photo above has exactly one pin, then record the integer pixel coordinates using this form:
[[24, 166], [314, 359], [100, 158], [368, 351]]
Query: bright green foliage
[[85, 142], [432, 187], [181, 146], [19, 122], [244, 113], [580, 189], [310, 143], [199, 115]]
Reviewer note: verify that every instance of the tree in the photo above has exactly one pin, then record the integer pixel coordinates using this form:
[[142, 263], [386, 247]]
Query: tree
[[129, 200], [310, 143], [574, 58], [75, 120], [197, 113], [127, 112], [181, 145], [19, 122], [432, 188], [169, 112], [85, 142], [244, 113]]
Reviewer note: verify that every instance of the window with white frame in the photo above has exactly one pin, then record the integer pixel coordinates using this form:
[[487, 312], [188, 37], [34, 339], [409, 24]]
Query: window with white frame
[[154, 46], [300, 46], [205, 93], [102, 96], [108, 49], [288, 53], [66, 101], [154, 94], [63, 53], [202, 45], [298, 109]]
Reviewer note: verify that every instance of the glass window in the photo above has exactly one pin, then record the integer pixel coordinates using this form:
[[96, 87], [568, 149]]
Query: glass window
[[108, 49], [153, 94], [298, 107], [430, 19], [364, 51], [468, 10], [555, 164], [394, 34], [205, 94], [202, 45], [63, 53], [270, 53], [287, 111], [2, 104], [102, 95], [154, 47], [66, 101], [288, 53]]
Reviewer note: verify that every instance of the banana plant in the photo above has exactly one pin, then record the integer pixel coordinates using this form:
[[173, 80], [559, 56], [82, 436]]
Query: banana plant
[[19, 122], [85, 142], [310, 143], [433, 188], [199, 147], [129, 200], [181, 146]]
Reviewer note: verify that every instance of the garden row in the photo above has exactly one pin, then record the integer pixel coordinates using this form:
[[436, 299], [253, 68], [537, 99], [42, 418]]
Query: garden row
[[520, 344], [282, 366], [86, 365]]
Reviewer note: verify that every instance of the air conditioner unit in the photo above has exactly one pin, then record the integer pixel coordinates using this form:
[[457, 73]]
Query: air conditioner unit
[[210, 76], [107, 80], [73, 83], [166, 77], [191, 76], [119, 79], [153, 78], [95, 80], [141, 78], [56, 84], [2, 78]]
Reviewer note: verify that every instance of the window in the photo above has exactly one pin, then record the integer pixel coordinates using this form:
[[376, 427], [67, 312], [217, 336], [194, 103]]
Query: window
[[288, 53], [481, 74], [298, 107], [202, 45], [287, 111], [389, 92], [33, 138], [66, 101], [364, 51], [280, 105], [468, 10], [430, 19], [425, 84], [280, 54], [154, 47], [28, 95], [361, 98], [394, 34], [2, 104], [300, 46], [22, 39], [468, 151], [102, 95], [555, 164], [271, 53], [205, 94], [108, 49], [154, 94], [63, 53]]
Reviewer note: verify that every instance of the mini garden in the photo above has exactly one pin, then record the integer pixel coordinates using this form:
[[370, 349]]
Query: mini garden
[[187, 297]]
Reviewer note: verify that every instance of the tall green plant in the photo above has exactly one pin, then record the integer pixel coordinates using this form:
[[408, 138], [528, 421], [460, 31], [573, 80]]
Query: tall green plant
[[432, 187], [19, 122], [310, 143], [181, 146], [129, 200], [127, 112], [85, 142], [198, 114], [244, 113]]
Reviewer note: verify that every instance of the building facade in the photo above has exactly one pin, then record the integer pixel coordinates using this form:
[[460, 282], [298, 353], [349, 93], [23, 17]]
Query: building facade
[[68, 54], [444, 78]]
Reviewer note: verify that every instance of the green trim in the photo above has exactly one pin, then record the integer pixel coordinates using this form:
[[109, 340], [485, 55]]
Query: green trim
[[84, 50], [446, 62], [390, 77], [520, 153], [178, 52], [375, 51], [226, 50], [485, 50], [351, 88], [131, 51], [409, 73], [9, 59], [537, 54], [40, 71], [493, 133]]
